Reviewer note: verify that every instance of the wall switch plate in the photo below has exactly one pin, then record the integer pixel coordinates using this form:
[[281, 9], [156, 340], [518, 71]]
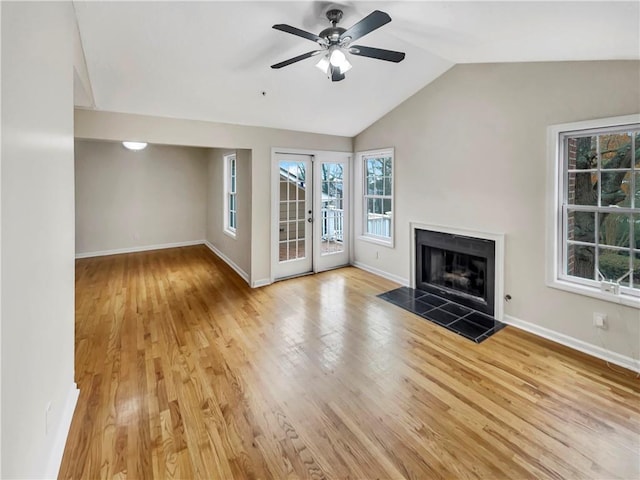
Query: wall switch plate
[[600, 320]]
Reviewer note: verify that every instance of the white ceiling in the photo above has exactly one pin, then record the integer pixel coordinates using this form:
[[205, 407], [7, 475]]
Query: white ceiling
[[211, 60]]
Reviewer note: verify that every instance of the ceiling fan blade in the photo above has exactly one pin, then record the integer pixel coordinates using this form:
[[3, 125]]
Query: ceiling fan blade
[[336, 76], [301, 33], [379, 53], [367, 25], [296, 59]]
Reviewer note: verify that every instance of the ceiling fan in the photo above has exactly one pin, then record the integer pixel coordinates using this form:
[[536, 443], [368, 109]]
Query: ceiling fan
[[335, 43]]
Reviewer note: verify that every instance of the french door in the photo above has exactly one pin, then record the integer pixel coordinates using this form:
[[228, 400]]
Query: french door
[[294, 175], [310, 219]]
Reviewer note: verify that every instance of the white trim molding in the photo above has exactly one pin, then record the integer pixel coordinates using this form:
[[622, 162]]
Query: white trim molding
[[553, 225], [497, 238], [263, 282], [118, 251], [228, 261], [584, 347], [381, 273], [227, 192], [359, 196], [61, 434]]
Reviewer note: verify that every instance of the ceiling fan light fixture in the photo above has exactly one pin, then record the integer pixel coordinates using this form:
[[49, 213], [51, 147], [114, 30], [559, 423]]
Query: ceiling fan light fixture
[[345, 67], [323, 64], [327, 67], [337, 58]]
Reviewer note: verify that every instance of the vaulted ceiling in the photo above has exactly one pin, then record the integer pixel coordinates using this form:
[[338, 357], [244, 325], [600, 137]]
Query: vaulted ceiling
[[211, 60]]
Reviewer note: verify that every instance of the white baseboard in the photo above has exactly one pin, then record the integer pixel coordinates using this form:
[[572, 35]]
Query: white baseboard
[[261, 283], [145, 248], [60, 439], [389, 276], [228, 261], [581, 346]]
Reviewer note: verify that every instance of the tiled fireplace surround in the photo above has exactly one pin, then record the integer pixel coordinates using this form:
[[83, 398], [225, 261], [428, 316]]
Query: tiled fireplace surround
[[473, 320]]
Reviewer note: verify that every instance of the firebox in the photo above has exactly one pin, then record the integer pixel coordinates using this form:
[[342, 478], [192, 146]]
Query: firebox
[[458, 268]]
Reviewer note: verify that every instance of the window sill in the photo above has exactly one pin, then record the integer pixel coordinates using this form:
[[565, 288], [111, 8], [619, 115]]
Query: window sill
[[621, 299], [377, 240], [230, 233]]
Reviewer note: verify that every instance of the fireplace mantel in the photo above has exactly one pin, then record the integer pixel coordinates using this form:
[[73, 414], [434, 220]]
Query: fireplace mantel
[[498, 238]]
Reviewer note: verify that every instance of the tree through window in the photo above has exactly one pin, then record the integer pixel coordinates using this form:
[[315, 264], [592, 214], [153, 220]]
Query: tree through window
[[601, 206]]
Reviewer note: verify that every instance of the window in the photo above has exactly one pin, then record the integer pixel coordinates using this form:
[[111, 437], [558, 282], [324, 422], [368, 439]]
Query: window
[[230, 185], [597, 211], [377, 207]]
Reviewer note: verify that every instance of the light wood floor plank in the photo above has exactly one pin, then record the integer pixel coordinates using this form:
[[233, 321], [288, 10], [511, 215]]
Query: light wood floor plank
[[185, 372]]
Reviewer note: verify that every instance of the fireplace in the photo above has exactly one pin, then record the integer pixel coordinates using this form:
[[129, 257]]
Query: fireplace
[[457, 282], [459, 268]]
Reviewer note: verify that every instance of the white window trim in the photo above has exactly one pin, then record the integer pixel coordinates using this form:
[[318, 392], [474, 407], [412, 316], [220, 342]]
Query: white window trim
[[227, 229], [555, 182], [359, 190]]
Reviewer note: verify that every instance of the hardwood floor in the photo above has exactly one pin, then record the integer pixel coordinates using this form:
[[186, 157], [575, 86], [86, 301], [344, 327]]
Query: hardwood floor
[[186, 372]]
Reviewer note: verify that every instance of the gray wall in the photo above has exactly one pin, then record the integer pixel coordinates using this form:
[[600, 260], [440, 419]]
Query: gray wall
[[127, 199], [116, 126], [471, 153], [237, 249], [37, 246]]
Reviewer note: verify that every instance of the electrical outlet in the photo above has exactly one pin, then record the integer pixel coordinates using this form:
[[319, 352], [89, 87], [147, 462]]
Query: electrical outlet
[[600, 320]]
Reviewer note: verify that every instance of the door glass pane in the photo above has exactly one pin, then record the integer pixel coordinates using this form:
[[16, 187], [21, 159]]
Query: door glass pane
[[292, 211], [332, 213]]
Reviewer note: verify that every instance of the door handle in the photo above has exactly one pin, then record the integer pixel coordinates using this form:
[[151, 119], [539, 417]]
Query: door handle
[[310, 219]]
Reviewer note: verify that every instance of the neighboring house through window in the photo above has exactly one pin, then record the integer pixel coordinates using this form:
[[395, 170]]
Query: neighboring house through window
[[377, 208], [596, 213], [230, 188]]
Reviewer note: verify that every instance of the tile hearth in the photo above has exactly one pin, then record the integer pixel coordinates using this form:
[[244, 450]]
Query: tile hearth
[[475, 326]]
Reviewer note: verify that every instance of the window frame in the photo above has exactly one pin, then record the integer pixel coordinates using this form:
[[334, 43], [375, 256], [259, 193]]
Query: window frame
[[557, 200], [230, 191], [363, 234]]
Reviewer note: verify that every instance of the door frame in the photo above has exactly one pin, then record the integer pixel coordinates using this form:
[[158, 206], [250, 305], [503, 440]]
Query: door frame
[[304, 264], [274, 178]]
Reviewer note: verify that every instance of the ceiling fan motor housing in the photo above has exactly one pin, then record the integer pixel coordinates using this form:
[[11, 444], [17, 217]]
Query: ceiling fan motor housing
[[332, 34], [334, 15]]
